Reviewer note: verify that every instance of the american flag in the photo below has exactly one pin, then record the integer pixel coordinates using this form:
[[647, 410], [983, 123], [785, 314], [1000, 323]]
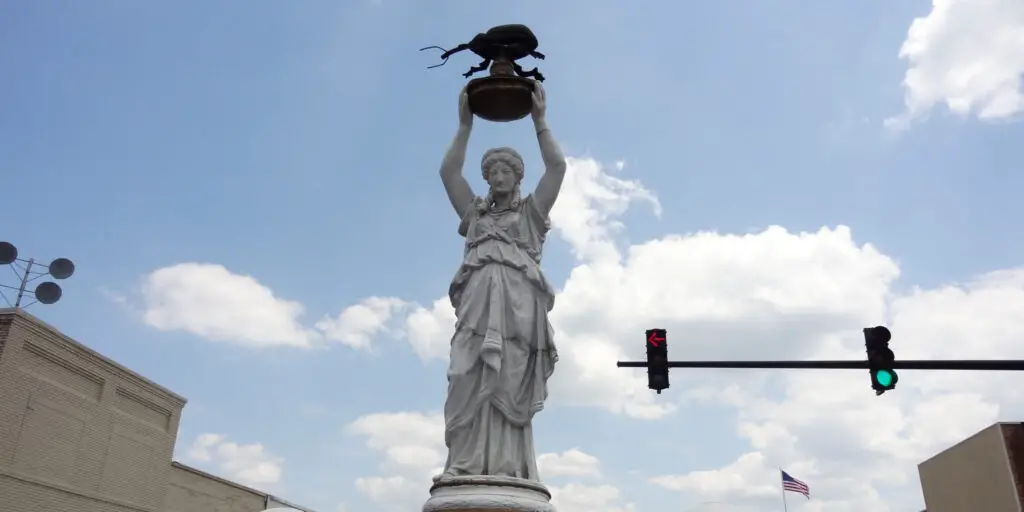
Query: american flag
[[793, 485]]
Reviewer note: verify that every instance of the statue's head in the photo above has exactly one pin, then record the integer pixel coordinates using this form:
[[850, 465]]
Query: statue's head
[[503, 170]]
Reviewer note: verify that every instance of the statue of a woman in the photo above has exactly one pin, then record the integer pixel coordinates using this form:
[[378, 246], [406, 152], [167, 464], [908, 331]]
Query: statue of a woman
[[503, 350]]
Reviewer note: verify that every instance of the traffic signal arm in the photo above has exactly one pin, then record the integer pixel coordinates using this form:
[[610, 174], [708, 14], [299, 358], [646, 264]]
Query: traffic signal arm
[[921, 364]]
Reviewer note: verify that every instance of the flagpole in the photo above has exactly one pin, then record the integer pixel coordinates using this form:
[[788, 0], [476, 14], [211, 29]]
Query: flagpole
[[785, 508]]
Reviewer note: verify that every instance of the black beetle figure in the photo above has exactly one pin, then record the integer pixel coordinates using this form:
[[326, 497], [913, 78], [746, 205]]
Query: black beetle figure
[[502, 43]]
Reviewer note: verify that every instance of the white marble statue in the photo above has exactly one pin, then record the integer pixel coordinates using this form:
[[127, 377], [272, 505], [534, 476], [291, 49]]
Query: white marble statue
[[503, 351]]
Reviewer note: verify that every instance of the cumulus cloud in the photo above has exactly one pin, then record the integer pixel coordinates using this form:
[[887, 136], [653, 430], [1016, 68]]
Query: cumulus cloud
[[731, 481], [212, 302], [572, 462], [586, 213], [356, 325], [394, 492], [968, 55], [584, 498], [249, 464], [407, 439], [412, 446], [216, 304], [430, 330]]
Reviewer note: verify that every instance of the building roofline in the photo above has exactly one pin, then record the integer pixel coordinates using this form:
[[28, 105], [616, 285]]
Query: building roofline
[[964, 440], [211, 476], [19, 315], [288, 503], [266, 496]]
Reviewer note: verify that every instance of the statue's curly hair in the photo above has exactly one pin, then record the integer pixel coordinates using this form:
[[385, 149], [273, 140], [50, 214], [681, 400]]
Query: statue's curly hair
[[509, 157]]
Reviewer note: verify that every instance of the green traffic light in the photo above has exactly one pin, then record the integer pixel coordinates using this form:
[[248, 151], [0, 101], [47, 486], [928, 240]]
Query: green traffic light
[[884, 378]]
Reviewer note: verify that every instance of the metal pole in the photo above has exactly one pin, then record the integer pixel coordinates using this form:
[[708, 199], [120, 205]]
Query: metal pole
[[918, 364], [785, 508], [24, 282]]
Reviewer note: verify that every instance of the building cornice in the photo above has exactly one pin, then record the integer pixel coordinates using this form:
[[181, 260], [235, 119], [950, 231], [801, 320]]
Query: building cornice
[[29, 322]]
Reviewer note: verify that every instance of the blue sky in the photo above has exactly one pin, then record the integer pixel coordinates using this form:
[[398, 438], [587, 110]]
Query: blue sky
[[298, 143]]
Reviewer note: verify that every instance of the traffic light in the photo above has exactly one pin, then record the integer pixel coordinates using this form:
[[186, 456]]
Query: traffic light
[[657, 360], [880, 359]]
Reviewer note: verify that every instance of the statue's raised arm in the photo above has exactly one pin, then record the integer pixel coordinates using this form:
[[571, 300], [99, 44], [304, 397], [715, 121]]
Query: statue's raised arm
[[459, 192], [554, 161]]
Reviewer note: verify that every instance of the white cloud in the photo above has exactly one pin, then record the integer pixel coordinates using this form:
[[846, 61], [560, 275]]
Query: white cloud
[[586, 212], [583, 498], [248, 464], [968, 54], [747, 476], [394, 492], [412, 445], [573, 462], [430, 331], [211, 302], [356, 325], [409, 440], [214, 303]]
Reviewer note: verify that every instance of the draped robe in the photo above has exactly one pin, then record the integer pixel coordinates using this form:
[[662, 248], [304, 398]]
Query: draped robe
[[503, 351]]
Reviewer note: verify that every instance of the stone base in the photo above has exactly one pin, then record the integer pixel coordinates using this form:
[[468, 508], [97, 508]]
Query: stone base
[[488, 494]]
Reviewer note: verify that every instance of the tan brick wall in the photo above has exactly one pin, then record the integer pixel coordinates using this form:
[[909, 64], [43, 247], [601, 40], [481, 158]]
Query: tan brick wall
[[972, 476], [18, 495], [1013, 434], [5, 327], [99, 436], [80, 433], [190, 490]]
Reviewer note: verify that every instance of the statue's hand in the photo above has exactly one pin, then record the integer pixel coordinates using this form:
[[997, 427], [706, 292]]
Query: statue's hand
[[540, 106], [465, 114]]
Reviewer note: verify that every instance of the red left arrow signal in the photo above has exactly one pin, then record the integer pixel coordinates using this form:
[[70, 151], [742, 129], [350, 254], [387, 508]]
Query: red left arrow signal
[[654, 339]]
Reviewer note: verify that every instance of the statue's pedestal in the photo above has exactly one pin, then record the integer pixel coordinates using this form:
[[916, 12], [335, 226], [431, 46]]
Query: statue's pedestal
[[488, 494]]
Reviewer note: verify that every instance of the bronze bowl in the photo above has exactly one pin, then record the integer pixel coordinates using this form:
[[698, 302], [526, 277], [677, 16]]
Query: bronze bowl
[[500, 98]]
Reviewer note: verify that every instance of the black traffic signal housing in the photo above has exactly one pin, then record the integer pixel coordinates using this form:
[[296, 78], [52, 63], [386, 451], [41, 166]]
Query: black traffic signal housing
[[657, 360], [880, 359]]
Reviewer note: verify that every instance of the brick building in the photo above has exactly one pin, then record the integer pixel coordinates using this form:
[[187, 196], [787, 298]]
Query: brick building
[[81, 433], [984, 472]]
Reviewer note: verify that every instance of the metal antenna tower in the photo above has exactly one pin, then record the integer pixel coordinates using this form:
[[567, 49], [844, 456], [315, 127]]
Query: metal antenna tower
[[46, 292]]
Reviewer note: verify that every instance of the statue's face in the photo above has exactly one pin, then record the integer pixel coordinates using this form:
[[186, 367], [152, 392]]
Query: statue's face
[[501, 177]]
